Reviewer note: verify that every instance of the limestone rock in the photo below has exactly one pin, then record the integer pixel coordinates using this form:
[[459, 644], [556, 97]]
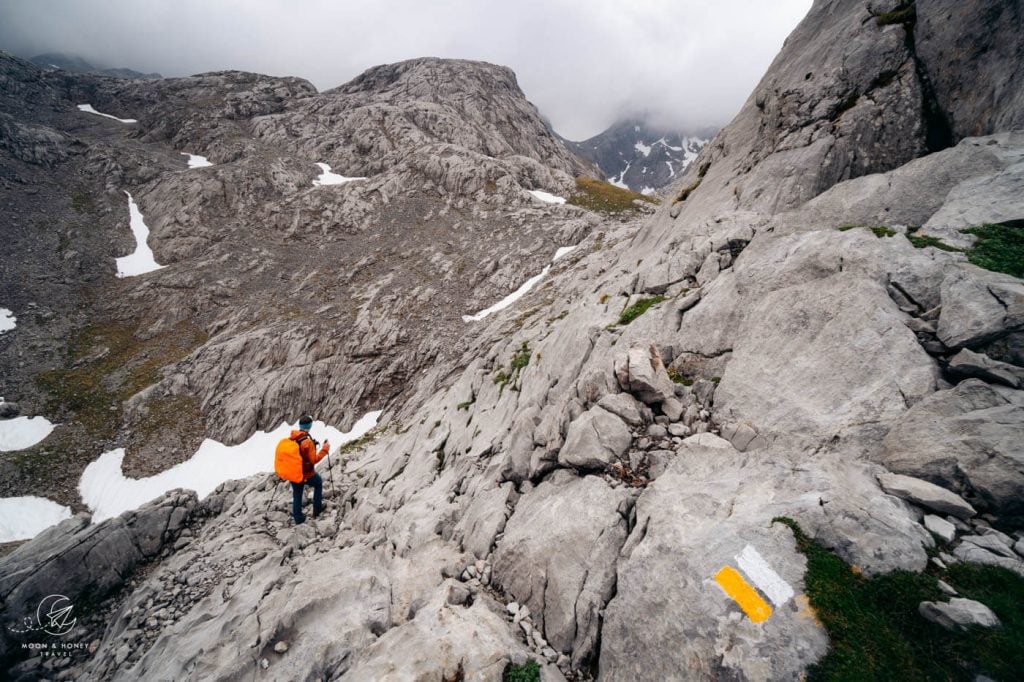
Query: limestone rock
[[808, 361], [970, 552], [967, 363], [940, 526], [959, 615], [641, 372], [595, 440], [967, 435], [926, 494], [979, 307], [625, 406], [566, 573]]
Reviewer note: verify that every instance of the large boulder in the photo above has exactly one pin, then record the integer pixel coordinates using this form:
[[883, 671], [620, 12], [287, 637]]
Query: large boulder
[[595, 440], [641, 371], [926, 494], [558, 557], [967, 439], [700, 516], [959, 614], [979, 307], [830, 357]]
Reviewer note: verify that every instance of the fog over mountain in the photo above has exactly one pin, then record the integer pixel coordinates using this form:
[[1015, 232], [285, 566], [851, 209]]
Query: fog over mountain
[[584, 65]]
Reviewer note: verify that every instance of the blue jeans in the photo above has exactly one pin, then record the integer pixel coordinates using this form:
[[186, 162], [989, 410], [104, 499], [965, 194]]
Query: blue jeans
[[318, 497]]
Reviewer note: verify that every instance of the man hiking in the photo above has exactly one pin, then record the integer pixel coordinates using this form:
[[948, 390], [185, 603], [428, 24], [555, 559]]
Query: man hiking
[[310, 456]]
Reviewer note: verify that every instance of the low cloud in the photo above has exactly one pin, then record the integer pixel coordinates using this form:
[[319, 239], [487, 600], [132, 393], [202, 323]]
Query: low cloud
[[685, 63]]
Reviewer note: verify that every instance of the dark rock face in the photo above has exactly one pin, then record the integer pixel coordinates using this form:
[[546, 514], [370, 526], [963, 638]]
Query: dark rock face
[[641, 157], [955, 38]]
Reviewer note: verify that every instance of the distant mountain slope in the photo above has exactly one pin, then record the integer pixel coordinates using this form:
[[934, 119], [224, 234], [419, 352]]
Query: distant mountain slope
[[641, 157], [58, 60]]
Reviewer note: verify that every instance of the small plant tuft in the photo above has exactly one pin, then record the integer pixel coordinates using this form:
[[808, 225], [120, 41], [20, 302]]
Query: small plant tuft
[[639, 308], [906, 14], [922, 240], [527, 672], [678, 378]]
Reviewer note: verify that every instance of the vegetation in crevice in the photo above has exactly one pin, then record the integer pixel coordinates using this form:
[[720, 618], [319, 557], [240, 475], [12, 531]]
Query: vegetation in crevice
[[527, 672], [520, 359], [875, 630], [678, 378], [634, 311], [878, 230]]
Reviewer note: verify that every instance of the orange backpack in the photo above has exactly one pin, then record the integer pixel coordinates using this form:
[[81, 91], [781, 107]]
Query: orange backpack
[[288, 459]]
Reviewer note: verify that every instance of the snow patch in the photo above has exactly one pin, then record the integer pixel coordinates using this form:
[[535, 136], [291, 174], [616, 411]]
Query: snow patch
[[87, 108], [7, 320], [23, 518], [23, 432], [642, 148], [547, 197], [647, 191], [108, 492], [196, 161], [520, 292], [329, 178], [618, 181], [141, 261], [562, 250]]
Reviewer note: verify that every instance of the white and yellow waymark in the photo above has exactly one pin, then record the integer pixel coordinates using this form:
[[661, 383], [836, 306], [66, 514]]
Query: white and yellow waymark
[[764, 578]]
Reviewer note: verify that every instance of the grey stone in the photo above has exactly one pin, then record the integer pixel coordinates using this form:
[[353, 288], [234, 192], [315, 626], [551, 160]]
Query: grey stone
[[959, 615], [992, 544], [9, 410], [979, 306], [946, 588], [940, 527], [968, 551], [656, 431], [628, 408], [680, 430], [641, 372], [566, 574], [967, 434], [1019, 547], [967, 363], [595, 439], [673, 409], [926, 494], [281, 647]]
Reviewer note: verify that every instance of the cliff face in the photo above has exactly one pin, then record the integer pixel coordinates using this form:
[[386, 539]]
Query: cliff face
[[585, 480]]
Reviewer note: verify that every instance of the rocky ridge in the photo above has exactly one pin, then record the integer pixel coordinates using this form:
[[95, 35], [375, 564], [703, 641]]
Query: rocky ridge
[[570, 494]]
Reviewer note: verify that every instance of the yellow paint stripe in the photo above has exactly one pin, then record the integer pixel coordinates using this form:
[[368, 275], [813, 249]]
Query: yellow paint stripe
[[730, 580]]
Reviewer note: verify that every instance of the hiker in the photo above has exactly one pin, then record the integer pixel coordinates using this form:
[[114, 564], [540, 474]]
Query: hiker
[[310, 456]]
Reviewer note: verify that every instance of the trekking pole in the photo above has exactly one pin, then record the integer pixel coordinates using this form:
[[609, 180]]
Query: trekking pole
[[331, 470]]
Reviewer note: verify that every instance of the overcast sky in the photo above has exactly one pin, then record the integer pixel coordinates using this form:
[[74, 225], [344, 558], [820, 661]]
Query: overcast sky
[[584, 63]]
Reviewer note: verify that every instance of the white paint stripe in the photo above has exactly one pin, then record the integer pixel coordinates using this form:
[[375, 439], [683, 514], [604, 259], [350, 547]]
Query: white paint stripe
[[762, 575]]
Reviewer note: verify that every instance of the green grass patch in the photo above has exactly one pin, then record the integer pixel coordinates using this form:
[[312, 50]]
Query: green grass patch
[[678, 378], [876, 632], [999, 247], [602, 197], [922, 240], [639, 308], [465, 406], [527, 672], [106, 364]]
